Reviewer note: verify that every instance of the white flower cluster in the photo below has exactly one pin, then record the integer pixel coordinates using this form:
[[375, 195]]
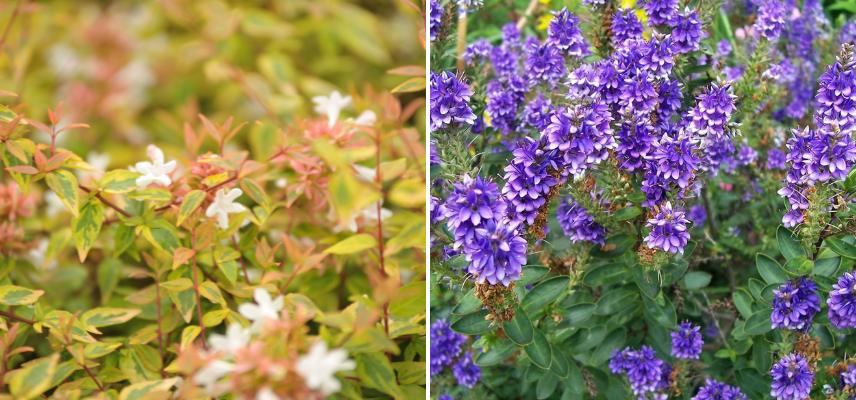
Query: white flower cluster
[[318, 367]]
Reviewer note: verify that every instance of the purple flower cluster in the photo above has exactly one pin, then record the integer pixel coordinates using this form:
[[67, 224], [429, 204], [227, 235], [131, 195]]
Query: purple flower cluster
[[564, 32], [668, 230], [496, 253], [636, 141], [794, 305], [503, 100], [848, 33], [835, 113], [687, 341], [660, 12], [716, 390], [775, 159], [848, 377], [646, 373], [625, 26], [792, 378], [842, 302], [578, 224], [466, 372], [712, 112], [771, 19], [445, 346], [582, 135], [746, 155], [537, 113], [530, 175], [544, 63], [471, 203], [449, 101], [435, 18], [687, 33]]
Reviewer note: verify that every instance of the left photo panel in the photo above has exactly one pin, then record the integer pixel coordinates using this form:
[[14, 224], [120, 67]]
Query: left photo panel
[[212, 199]]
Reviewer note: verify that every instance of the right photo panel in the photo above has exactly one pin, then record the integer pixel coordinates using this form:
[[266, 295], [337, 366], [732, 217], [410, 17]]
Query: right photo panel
[[642, 199]]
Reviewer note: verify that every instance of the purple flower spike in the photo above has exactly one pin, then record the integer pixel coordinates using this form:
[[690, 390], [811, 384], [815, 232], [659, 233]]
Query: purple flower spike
[[792, 378], [564, 33], [687, 341], [715, 390], [449, 101], [578, 224], [794, 305], [668, 230], [842, 302], [497, 253]]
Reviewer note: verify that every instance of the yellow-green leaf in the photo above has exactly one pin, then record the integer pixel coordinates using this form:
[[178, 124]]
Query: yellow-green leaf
[[99, 349], [414, 84], [353, 244], [189, 334], [148, 390], [392, 169], [255, 192], [140, 363], [106, 316], [210, 291], [192, 201], [214, 318], [375, 371], [412, 235], [12, 295], [119, 181], [34, 378], [177, 285], [162, 235], [86, 227], [409, 193], [349, 196], [156, 195], [64, 184]]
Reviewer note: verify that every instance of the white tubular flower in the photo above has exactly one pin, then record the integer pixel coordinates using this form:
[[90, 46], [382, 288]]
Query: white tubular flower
[[266, 394], [367, 118], [223, 205], [211, 373], [155, 171], [331, 105], [365, 173], [319, 367], [264, 309], [236, 338]]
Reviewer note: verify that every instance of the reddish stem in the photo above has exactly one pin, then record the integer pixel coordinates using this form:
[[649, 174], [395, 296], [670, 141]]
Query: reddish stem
[[160, 329], [379, 182], [196, 290], [15, 317], [106, 202]]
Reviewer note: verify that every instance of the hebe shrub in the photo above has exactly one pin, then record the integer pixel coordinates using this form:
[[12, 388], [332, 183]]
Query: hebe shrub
[[642, 200], [230, 227]]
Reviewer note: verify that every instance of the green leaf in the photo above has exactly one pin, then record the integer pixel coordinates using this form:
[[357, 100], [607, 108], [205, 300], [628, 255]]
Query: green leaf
[[415, 84], [759, 323], [539, 350], [86, 226], [472, 324], [579, 313], [192, 200], [105, 316], [64, 184], [841, 247], [12, 295], [696, 280], [467, 304], [496, 353], [789, 245], [34, 378], [375, 371], [119, 181], [519, 329], [353, 244], [140, 363], [770, 269], [626, 213], [743, 302], [348, 195], [546, 386], [545, 293], [108, 277], [162, 235], [148, 389]]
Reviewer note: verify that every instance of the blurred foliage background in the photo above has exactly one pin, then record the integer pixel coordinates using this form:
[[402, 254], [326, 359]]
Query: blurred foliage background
[[135, 71]]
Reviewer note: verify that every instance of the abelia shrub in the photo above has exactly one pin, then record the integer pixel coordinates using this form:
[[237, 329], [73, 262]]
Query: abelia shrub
[[252, 228]]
